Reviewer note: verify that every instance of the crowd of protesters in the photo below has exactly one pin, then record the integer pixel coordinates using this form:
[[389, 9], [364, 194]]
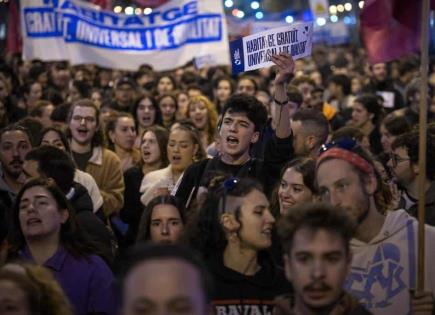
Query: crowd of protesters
[[287, 190]]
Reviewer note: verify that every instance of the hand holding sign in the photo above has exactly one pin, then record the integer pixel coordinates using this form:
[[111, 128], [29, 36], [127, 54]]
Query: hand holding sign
[[286, 67], [257, 50]]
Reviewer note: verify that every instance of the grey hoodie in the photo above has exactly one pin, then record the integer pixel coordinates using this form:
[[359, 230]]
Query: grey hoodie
[[385, 269]]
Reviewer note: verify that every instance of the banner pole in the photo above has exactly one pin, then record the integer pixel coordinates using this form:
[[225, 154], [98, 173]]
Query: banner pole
[[424, 66]]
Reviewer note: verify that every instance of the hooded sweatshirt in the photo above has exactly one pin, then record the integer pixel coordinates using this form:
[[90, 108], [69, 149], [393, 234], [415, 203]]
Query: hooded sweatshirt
[[385, 269], [239, 294]]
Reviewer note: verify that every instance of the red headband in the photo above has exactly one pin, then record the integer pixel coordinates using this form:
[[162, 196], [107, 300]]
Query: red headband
[[349, 156]]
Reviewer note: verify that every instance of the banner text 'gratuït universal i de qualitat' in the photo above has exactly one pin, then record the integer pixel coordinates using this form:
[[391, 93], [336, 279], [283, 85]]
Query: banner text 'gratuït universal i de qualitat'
[[168, 37]]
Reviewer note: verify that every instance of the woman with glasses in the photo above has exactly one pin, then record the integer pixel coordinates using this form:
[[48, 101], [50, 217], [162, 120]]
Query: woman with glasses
[[234, 233], [153, 157], [184, 147], [46, 233]]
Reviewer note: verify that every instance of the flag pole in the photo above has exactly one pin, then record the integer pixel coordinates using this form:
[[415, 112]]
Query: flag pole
[[424, 66]]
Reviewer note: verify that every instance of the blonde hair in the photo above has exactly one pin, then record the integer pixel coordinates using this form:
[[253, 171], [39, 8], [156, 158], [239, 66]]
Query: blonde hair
[[43, 293], [212, 115]]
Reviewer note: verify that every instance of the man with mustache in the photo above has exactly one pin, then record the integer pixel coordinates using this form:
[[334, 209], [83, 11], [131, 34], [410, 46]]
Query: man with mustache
[[14, 145], [317, 259], [383, 273]]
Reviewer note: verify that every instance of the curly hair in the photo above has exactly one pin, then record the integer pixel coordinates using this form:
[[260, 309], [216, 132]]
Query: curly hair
[[410, 141], [382, 195], [44, 295], [315, 216], [249, 105], [207, 234]]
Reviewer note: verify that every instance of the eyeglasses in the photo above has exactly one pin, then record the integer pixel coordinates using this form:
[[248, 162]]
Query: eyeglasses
[[88, 119], [228, 186], [343, 143], [395, 159]]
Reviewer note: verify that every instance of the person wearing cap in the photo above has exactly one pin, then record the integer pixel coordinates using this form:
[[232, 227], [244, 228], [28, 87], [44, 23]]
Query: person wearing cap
[[383, 273], [124, 95]]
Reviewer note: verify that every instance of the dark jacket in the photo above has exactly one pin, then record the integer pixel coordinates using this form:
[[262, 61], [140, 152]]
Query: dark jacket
[[236, 293], [385, 86], [277, 152], [7, 196], [429, 216], [95, 229], [132, 210]]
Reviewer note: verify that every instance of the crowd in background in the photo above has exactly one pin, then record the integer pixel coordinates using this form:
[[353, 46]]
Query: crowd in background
[[96, 160]]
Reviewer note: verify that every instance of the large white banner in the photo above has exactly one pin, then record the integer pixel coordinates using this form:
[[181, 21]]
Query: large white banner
[[166, 38]]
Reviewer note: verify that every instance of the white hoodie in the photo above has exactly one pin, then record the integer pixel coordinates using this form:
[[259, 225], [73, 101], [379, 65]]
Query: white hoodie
[[384, 269]]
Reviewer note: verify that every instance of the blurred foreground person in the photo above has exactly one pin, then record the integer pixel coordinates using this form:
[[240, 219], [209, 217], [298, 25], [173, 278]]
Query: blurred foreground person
[[317, 260], [164, 279], [31, 290]]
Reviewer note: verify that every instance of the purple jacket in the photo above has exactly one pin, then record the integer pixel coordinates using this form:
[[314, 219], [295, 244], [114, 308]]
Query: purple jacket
[[87, 281]]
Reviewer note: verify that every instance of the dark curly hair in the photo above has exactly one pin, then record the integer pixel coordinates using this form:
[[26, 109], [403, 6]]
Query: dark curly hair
[[315, 216], [249, 105], [208, 235], [410, 141]]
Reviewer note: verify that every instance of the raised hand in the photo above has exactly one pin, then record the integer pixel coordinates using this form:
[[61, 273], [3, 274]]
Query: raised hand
[[286, 67]]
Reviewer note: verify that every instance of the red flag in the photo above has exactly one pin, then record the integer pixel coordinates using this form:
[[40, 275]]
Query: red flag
[[14, 43], [390, 29], [103, 4]]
